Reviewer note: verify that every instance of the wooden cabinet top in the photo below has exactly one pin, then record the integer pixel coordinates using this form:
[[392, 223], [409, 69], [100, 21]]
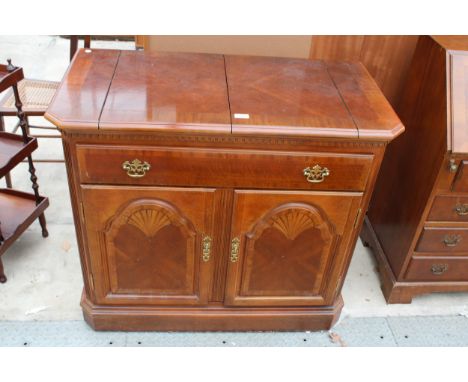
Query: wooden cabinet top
[[188, 92]]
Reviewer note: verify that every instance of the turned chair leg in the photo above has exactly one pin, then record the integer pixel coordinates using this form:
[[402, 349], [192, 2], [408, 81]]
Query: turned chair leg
[[7, 176], [3, 278], [35, 187], [42, 222]]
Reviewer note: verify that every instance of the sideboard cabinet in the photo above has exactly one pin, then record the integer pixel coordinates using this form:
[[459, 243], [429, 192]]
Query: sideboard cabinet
[[217, 192], [417, 223]]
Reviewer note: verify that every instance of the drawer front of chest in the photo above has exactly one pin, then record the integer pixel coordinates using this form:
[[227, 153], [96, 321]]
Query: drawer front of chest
[[164, 166], [437, 268], [444, 239], [449, 208]]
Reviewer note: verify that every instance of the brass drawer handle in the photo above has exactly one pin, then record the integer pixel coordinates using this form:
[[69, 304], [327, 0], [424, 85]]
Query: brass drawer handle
[[452, 240], [235, 246], [136, 168], [461, 209], [316, 174], [206, 248], [438, 269]]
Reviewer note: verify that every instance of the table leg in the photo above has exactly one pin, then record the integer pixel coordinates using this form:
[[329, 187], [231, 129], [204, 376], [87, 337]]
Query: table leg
[[73, 46], [3, 278]]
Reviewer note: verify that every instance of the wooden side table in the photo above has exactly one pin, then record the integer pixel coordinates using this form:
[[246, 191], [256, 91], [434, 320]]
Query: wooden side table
[[217, 192], [17, 209]]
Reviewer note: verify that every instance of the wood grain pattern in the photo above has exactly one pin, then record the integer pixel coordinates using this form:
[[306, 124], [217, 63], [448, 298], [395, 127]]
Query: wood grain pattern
[[78, 102], [174, 166], [421, 162], [168, 258], [446, 240], [339, 48], [307, 97], [296, 95], [287, 246], [423, 112], [437, 269], [387, 58], [167, 91], [218, 184], [449, 208]]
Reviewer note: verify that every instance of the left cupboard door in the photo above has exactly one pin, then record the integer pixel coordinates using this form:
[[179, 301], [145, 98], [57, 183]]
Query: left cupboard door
[[150, 245]]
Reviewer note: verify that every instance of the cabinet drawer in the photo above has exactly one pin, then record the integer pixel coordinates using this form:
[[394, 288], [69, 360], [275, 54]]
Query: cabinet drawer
[[428, 268], [443, 240], [449, 208], [223, 168]]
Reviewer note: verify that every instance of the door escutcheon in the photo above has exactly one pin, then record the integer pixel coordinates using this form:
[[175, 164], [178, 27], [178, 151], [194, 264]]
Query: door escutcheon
[[235, 246], [206, 248]]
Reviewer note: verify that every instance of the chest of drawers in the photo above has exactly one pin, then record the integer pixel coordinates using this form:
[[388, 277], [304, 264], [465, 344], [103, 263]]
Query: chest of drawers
[[217, 192], [417, 223]]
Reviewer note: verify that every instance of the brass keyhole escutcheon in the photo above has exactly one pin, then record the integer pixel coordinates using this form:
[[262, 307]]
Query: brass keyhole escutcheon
[[235, 247], [206, 248], [136, 168], [452, 240], [438, 269], [316, 174]]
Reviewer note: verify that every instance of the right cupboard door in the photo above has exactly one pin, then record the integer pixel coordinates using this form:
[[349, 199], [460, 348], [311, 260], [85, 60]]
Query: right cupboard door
[[289, 248]]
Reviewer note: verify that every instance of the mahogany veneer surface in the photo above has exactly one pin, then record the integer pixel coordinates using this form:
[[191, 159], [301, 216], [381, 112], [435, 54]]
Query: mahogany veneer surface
[[218, 192], [417, 219], [18, 210]]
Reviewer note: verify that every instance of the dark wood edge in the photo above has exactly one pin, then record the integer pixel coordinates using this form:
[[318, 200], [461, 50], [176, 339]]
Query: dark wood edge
[[401, 292], [23, 153], [131, 318], [11, 78], [39, 210]]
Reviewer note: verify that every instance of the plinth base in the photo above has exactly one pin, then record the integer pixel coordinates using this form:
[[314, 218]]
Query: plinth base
[[132, 318]]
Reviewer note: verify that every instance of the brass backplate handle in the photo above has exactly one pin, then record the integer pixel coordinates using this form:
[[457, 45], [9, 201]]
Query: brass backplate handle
[[235, 246], [452, 240], [316, 174], [461, 209], [136, 168], [438, 269], [206, 248]]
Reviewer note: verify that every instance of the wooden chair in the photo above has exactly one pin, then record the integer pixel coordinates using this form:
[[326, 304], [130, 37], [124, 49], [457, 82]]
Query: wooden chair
[[36, 96], [17, 209]]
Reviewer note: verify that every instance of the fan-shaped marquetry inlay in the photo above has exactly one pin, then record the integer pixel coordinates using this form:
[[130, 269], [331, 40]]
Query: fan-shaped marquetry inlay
[[292, 222], [149, 220]]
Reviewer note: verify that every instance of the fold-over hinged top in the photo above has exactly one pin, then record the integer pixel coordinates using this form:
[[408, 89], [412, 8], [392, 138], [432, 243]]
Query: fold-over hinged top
[[187, 92]]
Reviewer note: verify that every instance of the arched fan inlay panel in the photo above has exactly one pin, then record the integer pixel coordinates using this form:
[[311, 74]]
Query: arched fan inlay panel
[[152, 238], [286, 252]]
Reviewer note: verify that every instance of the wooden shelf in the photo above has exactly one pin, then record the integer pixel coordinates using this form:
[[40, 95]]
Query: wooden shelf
[[17, 211], [13, 150]]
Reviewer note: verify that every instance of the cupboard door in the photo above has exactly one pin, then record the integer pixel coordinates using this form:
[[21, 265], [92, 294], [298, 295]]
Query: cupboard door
[[289, 248], [150, 245]]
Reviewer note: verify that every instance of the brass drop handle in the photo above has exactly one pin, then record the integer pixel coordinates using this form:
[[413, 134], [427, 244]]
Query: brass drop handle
[[438, 269], [136, 168], [452, 240], [235, 247], [316, 174], [461, 209], [206, 248]]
